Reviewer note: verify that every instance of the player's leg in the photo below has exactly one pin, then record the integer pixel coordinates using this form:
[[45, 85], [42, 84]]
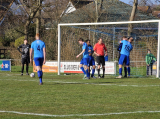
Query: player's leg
[[41, 72], [103, 66], [121, 60], [93, 67], [89, 69], [125, 71], [87, 72], [27, 66], [151, 67], [38, 63], [22, 69], [92, 63], [89, 65], [81, 67], [86, 66], [147, 70], [127, 65], [98, 67]]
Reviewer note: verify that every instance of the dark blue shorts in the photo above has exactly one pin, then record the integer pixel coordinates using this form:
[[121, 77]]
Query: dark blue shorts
[[84, 61], [91, 61], [124, 59], [38, 61]]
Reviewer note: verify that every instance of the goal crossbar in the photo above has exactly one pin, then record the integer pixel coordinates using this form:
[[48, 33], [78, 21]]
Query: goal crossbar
[[108, 23]]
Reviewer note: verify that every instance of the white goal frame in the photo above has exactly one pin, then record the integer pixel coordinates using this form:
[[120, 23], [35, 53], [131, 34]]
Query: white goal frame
[[108, 23]]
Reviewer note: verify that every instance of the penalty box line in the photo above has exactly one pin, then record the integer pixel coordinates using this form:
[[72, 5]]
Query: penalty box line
[[80, 115]]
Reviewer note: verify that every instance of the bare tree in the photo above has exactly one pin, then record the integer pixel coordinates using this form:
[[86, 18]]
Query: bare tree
[[38, 19], [132, 16], [32, 8]]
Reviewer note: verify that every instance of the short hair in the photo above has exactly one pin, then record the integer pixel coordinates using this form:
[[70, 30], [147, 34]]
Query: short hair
[[87, 40], [99, 38], [37, 34], [148, 50], [81, 39], [25, 39], [130, 38], [124, 37]]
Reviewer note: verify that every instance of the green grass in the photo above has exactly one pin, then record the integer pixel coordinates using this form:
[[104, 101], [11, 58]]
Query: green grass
[[70, 95], [136, 72]]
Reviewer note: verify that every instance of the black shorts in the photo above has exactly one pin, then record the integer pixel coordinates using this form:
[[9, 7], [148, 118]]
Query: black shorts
[[25, 61], [101, 60]]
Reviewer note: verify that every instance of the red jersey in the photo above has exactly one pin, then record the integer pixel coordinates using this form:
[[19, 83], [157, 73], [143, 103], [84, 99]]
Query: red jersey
[[99, 48]]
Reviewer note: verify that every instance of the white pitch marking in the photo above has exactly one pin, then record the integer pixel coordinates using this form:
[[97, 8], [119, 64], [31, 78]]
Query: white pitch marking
[[71, 115], [87, 83], [130, 85]]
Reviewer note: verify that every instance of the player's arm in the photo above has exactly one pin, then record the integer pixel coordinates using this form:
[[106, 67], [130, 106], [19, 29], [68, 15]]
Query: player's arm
[[80, 53], [44, 54], [96, 53], [105, 50], [31, 51], [95, 49], [154, 58], [131, 47], [147, 62], [119, 47], [92, 51], [19, 49], [121, 41]]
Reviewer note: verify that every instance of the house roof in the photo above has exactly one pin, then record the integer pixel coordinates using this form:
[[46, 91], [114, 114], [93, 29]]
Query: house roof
[[80, 3], [112, 11]]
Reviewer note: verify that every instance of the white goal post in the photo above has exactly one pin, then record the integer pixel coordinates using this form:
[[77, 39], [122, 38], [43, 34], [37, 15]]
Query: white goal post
[[108, 23]]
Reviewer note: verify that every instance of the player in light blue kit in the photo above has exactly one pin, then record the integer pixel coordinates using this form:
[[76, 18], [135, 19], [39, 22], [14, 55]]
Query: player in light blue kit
[[38, 47], [124, 58], [91, 58], [85, 59]]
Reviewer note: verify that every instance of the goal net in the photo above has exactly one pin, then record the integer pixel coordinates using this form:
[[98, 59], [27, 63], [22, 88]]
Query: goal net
[[144, 33]]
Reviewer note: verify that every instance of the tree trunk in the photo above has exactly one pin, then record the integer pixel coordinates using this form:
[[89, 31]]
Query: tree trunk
[[29, 20], [98, 9], [38, 19], [130, 27]]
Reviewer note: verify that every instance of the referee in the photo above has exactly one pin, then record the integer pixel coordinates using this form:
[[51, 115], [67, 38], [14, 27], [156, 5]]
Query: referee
[[99, 49], [25, 55]]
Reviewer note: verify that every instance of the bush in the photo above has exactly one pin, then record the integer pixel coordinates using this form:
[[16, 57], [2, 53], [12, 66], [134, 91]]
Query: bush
[[5, 41], [19, 41]]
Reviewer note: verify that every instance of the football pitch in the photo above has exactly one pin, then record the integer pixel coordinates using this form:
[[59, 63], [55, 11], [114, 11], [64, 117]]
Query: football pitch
[[71, 97]]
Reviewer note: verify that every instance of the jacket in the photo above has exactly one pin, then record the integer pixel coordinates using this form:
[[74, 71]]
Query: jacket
[[149, 58]]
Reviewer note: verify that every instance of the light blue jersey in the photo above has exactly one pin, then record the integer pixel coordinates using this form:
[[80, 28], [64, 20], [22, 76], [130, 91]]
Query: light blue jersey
[[126, 47], [38, 46], [85, 54]]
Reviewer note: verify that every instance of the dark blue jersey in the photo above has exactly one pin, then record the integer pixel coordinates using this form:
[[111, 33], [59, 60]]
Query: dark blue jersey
[[90, 48], [120, 47]]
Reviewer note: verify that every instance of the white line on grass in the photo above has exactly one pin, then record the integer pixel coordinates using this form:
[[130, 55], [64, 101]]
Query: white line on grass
[[130, 85], [63, 82], [80, 115]]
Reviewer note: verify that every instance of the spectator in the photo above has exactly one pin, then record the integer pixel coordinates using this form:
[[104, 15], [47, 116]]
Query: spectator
[[149, 61]]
